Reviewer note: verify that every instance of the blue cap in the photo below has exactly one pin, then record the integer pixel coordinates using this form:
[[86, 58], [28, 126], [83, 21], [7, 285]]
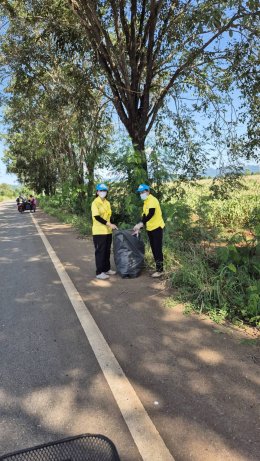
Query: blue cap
[[102, 186], [142, 188]]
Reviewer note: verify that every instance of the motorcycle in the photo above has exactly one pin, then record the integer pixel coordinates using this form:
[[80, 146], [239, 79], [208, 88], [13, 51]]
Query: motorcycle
[[25, 205]]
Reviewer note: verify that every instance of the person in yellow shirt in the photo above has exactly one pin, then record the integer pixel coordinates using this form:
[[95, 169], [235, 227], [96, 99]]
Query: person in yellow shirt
[[153, 221], [102, 232]]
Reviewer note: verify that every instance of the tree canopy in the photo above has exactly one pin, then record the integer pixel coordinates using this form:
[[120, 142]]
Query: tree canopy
[[145, 58], [149, 48]]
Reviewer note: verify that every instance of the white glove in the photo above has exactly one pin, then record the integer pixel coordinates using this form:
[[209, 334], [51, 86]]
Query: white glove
[[138, 227], [112, 226]]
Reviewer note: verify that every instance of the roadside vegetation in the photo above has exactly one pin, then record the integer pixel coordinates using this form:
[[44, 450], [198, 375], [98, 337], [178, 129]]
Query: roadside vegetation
[[212, 245], [7, 192]]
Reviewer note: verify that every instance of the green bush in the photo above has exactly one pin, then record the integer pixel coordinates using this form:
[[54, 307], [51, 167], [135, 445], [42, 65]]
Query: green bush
[[233, 213], [224, 283], [7, 192], [56, 207], [211, 272]]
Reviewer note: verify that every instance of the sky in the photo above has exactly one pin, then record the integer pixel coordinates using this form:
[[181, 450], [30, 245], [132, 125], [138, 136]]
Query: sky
[[4, 177]]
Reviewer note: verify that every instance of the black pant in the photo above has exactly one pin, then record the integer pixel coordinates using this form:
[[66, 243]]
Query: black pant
[[156, 240], [102, 244]]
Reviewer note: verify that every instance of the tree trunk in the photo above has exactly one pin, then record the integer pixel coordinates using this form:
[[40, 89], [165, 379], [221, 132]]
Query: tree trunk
[[47, 188], [141, 161], [90, 164]]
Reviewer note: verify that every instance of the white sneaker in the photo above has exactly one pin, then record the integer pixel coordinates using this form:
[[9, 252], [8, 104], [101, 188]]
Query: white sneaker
[[102, 276], [110, 272], [156, 275]]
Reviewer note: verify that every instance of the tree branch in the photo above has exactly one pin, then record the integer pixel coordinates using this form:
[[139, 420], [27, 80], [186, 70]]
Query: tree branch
[[193, 55]]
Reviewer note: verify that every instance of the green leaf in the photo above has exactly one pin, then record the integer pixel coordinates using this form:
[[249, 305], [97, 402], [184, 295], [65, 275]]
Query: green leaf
[[232, 268]]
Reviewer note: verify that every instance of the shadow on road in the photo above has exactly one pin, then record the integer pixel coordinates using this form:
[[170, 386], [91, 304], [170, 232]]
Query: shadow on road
[[198, 384]]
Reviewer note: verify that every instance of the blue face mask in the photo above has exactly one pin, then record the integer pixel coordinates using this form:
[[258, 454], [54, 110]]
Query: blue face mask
[[144, 196]]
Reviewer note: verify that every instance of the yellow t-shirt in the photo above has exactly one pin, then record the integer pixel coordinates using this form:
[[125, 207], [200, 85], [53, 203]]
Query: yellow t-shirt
[[157, 219], [101, 208]]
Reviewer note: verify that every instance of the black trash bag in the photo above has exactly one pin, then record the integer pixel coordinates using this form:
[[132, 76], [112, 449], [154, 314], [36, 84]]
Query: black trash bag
[[128, 253]]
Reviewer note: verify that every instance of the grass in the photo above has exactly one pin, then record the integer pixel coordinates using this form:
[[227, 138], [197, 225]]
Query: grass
[[211, 247], [3, 198], [212, 251], [81, 223], [250, 342], [7, 192]]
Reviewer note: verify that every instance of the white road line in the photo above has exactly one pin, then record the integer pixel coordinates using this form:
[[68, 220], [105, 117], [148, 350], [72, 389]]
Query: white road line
[[146, 437]]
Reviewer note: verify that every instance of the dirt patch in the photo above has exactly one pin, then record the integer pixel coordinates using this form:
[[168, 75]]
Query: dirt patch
[[198, 381]]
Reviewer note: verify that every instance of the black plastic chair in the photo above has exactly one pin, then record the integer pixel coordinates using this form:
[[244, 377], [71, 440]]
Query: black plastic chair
[[85, 447]]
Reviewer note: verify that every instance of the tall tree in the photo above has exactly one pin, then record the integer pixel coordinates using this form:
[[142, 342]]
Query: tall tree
[[56, 118], [147, 47]]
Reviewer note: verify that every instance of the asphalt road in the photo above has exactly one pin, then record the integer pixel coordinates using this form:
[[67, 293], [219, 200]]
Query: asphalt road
[[51, 385], [198, 383]]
